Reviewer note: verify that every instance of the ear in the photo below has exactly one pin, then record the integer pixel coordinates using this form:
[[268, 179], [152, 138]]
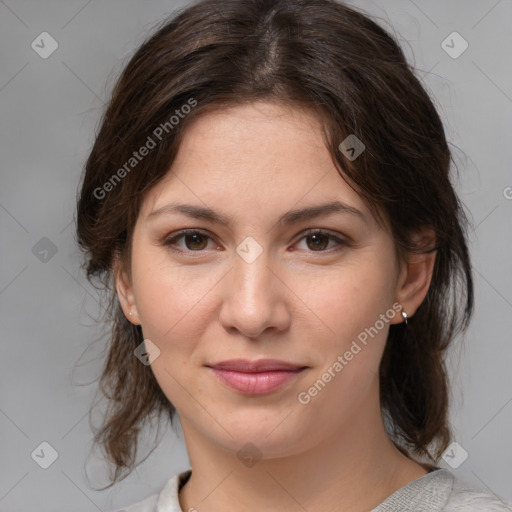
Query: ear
[[416, 274], [124, 290]]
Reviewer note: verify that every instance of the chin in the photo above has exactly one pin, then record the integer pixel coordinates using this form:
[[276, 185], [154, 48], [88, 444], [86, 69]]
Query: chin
[[268, 434]]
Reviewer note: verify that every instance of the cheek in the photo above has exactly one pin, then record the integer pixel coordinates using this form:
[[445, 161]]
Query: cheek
[[349, 299], [347, 307], [172, 301]]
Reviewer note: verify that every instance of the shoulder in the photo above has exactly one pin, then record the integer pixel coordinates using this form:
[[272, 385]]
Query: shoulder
[[468, 498], [442, 491], [147, 505], [166, 500]]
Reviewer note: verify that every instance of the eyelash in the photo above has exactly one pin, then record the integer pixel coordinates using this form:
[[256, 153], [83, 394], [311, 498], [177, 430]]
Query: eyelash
[[170, 242]]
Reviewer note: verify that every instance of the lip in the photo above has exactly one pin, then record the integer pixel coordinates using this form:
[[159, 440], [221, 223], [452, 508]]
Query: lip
[[255, 377]]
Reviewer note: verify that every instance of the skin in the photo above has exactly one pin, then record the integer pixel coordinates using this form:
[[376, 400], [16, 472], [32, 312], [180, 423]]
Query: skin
[[298, 302]]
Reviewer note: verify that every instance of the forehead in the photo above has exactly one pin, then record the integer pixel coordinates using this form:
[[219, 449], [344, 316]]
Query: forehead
[[257, 134], [253, 157]]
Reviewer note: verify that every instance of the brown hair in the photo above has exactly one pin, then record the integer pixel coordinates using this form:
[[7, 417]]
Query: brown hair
[[315, 54]]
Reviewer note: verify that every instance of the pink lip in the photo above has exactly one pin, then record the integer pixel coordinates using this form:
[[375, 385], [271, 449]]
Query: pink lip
[[255, 377]]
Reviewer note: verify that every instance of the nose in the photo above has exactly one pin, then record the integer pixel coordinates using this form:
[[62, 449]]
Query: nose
[[254, 298]]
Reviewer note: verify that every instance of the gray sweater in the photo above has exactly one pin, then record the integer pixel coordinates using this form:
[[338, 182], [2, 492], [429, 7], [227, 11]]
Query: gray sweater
[[437, 491]]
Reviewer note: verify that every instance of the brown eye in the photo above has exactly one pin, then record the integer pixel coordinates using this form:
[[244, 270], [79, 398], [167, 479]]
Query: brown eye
[[193, 240], [318, 241]]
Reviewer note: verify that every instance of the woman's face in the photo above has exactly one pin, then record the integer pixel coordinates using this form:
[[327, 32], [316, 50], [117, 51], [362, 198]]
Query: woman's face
[[259, 286]]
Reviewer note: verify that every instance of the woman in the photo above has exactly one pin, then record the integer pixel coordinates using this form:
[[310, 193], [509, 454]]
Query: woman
[[268, 200]]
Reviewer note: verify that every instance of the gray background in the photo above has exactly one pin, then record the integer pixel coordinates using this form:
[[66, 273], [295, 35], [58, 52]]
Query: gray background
[[50, 109]]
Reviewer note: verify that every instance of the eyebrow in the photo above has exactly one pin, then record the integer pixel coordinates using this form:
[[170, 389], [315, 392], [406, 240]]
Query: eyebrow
[[288, 218]]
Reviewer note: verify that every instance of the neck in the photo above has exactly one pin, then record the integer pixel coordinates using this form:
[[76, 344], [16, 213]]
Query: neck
[[353, 470]]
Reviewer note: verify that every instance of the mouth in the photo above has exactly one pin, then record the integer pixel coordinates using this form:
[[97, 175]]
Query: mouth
[[256, 377]]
